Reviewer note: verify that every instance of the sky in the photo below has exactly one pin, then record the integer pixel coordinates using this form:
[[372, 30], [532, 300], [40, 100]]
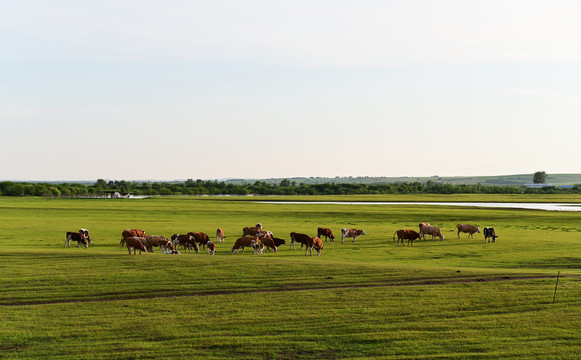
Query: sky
[[170, 89]]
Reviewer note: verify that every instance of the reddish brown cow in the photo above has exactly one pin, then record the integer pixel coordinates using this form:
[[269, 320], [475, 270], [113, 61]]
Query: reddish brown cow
[[200, 238], [409, 235], [131, 233], [314, 243], [351, 233], [278, 242], [268, 242], [251, 231], [134, 243], [326, 232], [187, 241], [76, 236], [245, 241], [220, 235], [465, 228], [298, 238]]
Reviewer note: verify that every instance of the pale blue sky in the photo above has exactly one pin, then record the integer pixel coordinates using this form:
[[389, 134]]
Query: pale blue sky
[[253, 89]]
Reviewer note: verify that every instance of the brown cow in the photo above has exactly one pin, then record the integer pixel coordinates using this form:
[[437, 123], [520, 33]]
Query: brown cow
[[245, 241], [157, 241], [200, 238], [421, 226], [351, 233], [87, 236], [431, 230], [220, 235], [298, 238], [76, 236], [187, 241], [409, 235], [326, 232], [314, 243], [465, 228], [131, 233], [251, 231], [135, 243], [268, 243], [278, 242]]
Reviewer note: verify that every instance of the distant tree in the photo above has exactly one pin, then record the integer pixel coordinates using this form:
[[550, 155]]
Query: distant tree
[[285, 182], [540, 177]]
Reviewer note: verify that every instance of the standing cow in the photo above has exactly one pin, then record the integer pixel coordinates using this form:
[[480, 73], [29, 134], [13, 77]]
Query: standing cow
[[135, 243], [409, 235], [351, 233], [431, 230], [76, 236], [220, 235], [326, 232], [489, 234], [466, 228], [314, 243]]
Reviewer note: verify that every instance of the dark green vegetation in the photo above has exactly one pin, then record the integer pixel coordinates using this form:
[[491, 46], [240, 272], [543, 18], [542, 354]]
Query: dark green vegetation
[[460, 298], [513, 184]]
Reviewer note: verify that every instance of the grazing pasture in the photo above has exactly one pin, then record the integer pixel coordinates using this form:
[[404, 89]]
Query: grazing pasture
[[457, 298]]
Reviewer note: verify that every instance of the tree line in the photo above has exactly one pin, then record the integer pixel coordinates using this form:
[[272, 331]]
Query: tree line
[[285, 187]]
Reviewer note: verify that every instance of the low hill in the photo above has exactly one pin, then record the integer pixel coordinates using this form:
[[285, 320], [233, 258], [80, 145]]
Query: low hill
[[500, 180]]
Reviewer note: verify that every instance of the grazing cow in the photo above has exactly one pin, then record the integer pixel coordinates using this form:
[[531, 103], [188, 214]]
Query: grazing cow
[[268, 243], [423, 225], [265, 233], [186, 241], [76, 236], [314, 243], [135, 243], [489, 233], [278, 242], [465, 228], [298, 238], [327, 233], [245, 241], [351, 233], [87, 236], [409, 235], [200, 238], [251, 231], [220, 235], [131, 233], [157, 241], [211, 248], [431, 230]]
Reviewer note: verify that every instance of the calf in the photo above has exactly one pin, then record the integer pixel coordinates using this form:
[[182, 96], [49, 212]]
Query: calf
[[465, 228], [298, 238], [135, 243], [409, 235], [245, 241], [75, 236], [326, 232], [220, 235], [351, 233], [489, 233], [314, 243]]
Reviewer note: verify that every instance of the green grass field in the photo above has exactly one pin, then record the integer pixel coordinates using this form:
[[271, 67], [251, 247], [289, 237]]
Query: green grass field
[[460, 298]]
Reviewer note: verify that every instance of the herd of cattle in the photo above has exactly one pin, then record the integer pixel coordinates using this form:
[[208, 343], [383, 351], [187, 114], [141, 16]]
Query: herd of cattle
[[259, 240]]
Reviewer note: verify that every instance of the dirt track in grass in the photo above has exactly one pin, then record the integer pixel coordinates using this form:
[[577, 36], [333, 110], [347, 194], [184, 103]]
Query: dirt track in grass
[[415, 282]]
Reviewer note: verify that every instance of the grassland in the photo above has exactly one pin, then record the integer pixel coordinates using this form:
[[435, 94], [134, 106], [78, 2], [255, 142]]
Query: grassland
[[460, 298]]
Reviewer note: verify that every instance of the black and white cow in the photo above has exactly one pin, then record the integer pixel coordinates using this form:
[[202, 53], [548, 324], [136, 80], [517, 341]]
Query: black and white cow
[[489, 233], [75, 236]]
